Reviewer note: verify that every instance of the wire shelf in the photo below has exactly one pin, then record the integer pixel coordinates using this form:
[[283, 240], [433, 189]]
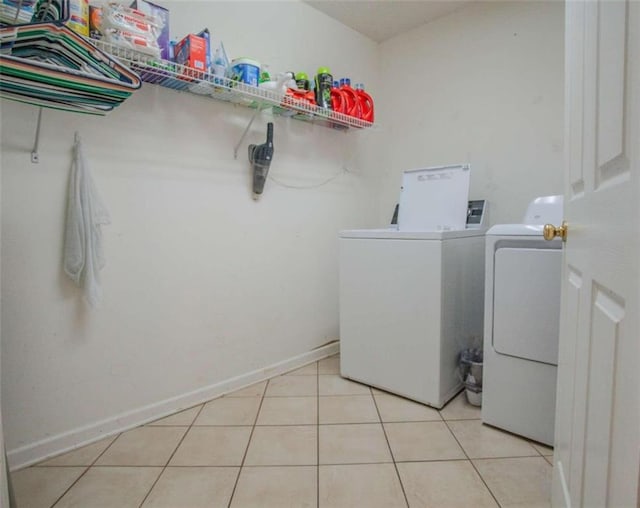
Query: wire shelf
[[185, 79]]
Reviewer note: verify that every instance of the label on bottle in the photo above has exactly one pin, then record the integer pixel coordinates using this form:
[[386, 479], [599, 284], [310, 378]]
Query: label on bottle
[[323, 90]]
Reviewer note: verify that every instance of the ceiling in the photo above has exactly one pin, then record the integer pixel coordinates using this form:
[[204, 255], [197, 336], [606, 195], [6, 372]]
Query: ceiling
[[382, 19]]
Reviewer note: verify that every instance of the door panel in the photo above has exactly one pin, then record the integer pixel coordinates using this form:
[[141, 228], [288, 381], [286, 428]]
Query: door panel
[[607, 313], [566, 369], [598, 402], [611, 77], [574, 98]]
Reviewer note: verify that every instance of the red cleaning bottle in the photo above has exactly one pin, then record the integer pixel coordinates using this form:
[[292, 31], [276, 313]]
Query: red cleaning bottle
[[366, 103], [353, 102], [338, 100]]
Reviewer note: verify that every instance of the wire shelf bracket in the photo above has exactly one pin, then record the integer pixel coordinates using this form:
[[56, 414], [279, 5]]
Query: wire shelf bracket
[[244, 134], [35, 158]]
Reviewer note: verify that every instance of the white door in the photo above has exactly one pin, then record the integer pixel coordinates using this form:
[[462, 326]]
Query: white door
[[597, 452]]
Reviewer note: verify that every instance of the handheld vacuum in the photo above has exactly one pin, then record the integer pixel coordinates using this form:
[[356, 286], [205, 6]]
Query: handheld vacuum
[[260, 158]]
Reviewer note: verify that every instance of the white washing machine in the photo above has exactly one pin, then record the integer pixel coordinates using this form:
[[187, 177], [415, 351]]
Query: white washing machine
[[521, 323], [411, 300]]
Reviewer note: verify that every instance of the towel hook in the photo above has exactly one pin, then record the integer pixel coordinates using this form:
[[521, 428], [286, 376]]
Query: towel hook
[[34, 153]]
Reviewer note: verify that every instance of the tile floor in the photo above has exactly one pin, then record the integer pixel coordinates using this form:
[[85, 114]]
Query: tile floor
[[305, 439]]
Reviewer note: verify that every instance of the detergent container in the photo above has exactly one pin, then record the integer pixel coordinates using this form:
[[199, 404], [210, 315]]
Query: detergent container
[[302, 81], [366, 103], [324, 81], [245, 70]]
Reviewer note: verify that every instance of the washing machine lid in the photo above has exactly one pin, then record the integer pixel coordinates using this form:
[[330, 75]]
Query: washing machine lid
[[516, 230], [394, 234], [434, 199]]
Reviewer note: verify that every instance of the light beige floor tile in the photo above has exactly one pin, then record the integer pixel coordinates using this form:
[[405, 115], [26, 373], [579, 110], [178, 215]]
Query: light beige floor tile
[[229, 411], [336, 385], [193, 487], [40, 487], [460, 409], [111, 487], [255, 390], [353, 444], [348, 409], [422, 441], [307, 370], [482, 441], [549, 459], [292, 386], [329, 365], [542, 449], [521, 482], [286, 446], [276, 487], [288, 411], [370, 485], [144, 446], [82, 456], [398, 409], [212, 446], [182, 418], [450, 484]]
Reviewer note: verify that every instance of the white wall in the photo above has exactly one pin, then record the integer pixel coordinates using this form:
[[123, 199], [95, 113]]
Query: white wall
[[4, 467], [202, 284], [483, 85]]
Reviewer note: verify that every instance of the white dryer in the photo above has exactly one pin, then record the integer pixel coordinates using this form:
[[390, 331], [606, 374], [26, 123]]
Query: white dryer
[[521, 323]]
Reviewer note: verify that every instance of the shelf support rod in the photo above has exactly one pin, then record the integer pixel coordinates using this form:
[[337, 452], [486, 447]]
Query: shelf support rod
[[244, 134], [34, 153]]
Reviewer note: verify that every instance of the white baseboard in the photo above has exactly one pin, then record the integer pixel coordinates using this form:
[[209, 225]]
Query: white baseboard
[[82, 436]]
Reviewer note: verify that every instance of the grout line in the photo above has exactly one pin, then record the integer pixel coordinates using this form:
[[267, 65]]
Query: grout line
[[346, 395], [246, 450], [172, 454], [70, 486], [306, 396], [320, 423], [472, 464], [315, 395], [331, 464], [86, 470], [384, 431]]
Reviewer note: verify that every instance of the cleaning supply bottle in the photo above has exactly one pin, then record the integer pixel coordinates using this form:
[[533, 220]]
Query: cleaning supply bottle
[[264, 74], [338, 100], [323, 80], [366, 103], [353, 100], [283, 81], [302, 80]]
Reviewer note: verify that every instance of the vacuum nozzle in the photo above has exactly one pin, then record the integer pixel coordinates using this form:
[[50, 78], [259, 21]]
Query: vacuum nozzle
[[260, 157]]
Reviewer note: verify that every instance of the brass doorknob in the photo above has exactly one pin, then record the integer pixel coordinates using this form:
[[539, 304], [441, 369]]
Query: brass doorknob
[[550, 231]]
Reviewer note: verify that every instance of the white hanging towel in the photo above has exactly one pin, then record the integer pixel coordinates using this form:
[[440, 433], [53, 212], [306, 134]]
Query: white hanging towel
[[86, 213]]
